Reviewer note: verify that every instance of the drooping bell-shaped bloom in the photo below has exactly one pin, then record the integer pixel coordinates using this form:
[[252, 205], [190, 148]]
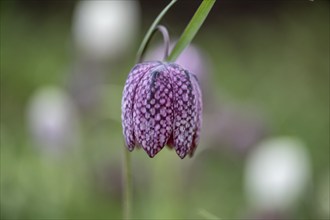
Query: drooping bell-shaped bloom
[[161, 105]]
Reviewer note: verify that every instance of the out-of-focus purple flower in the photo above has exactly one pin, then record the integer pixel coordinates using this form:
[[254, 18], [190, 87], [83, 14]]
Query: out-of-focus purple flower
[[162, 104], [237, 130], [52, 121], [268, 215]]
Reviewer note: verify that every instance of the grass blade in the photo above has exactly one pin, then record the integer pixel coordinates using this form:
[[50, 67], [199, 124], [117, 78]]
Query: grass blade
[[152, 27], [191, 29]]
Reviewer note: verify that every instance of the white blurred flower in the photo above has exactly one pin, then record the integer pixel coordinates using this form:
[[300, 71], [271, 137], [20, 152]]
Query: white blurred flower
[[277, 173], [105, 29], [52, 119]]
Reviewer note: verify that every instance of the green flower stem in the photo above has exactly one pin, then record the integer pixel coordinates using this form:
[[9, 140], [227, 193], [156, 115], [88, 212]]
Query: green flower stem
[[127, 210], [186, 37], [151, 30], [166, 38], [191, 29], [128, 186]]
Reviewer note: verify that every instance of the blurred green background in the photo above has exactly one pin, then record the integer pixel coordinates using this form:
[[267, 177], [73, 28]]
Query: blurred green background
[[268, 58]]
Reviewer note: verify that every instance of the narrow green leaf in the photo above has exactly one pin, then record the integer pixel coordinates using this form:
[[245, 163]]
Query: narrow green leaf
[[152, 27], [207, 215], [191, 29]]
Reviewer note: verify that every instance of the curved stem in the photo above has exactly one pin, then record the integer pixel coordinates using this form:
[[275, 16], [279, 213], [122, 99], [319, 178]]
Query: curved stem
[[166, 37], [127, 211], [151, 29]]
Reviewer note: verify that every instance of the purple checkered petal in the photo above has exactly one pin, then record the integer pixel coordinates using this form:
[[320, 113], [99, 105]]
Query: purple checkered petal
[[153, 113], [132, 81], [162, 105], [185, 110], [197, 131]]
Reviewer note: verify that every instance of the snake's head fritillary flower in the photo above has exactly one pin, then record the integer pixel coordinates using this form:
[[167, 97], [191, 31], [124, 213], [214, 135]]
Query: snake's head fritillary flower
[[162, 105]]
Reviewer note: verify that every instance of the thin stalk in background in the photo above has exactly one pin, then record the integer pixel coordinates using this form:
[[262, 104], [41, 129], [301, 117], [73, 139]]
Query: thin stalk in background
[[127, 211]]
